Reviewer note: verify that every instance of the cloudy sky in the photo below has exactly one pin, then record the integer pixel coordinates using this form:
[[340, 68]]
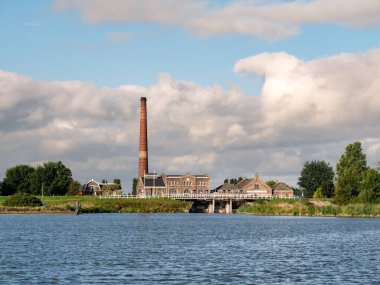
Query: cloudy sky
[[233, 87]]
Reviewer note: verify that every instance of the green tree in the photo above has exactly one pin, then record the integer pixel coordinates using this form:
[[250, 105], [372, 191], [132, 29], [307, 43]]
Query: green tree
[[318, 193], [17, 180], [233, 181], [54, 177], [314, 174], [134, 186], [74, 188], [271, 183], [117, 181], [37, 180], [349, 173], [369, 186]]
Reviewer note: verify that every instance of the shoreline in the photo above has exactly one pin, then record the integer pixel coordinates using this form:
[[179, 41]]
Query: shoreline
[[37, 212]]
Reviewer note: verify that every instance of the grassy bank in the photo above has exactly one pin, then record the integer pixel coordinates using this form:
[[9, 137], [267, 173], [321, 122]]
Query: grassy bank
[[312, 207], [90, 204]]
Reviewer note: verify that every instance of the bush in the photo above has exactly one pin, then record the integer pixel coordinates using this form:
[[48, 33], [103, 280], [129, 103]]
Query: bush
[[23, 200]]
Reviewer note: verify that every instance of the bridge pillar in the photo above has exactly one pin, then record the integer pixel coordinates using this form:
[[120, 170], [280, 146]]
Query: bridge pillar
[[229, 207], [211, 207]]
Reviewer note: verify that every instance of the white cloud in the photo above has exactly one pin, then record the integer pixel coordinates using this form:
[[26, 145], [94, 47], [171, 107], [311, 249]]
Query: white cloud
[[307, 110], [267, 19]]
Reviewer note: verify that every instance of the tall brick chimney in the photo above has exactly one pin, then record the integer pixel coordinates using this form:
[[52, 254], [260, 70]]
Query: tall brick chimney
[[143, 146]]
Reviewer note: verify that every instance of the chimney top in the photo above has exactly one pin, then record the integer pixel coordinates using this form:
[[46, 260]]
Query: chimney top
[[143, 99]]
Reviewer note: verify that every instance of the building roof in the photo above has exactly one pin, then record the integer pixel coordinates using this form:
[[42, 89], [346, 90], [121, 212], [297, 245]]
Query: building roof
[[185, 175], [226, 187], [280, 186], [156, 182], [244, 182]]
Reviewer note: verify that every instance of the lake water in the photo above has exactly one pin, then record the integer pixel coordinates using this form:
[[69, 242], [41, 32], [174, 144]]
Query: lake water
[[188, 249]]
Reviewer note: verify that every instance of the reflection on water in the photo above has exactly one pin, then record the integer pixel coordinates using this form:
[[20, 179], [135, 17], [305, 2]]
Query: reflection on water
[[188, 249]]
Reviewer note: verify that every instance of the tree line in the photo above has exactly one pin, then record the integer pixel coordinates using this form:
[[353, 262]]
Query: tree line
[[50, 178], [353, 181]]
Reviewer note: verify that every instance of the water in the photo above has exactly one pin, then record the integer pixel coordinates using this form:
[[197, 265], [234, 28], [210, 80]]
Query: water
[[188, 249]]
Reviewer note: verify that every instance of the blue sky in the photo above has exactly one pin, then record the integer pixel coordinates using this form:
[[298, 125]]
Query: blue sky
[[103, 45], [51, 45]]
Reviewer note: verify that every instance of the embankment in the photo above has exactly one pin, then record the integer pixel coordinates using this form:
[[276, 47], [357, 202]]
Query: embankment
[[66, 205], [309, 207]]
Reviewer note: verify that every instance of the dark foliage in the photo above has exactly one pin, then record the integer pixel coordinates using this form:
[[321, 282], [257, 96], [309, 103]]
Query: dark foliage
[[134, 186], [23, 200], [17, 179], [317, 174], [349, 170]]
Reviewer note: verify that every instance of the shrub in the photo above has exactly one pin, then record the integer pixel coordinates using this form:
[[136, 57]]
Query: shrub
[[23, 200]]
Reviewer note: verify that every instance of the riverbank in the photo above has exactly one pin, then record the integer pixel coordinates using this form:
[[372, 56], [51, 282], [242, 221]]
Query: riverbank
[[91, 204], [309, 207]]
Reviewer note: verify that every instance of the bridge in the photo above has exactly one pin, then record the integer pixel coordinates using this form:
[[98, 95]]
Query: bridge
[[225, 200]]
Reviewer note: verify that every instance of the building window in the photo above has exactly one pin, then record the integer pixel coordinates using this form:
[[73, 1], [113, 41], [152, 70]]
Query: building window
[[257, 186]]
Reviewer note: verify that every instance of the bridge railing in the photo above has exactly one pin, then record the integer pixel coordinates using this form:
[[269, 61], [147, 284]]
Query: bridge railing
[[202, 196]]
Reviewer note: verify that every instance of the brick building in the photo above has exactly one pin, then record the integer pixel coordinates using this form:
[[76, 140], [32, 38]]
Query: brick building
[[254, 186], [157, 185], [282, 190]]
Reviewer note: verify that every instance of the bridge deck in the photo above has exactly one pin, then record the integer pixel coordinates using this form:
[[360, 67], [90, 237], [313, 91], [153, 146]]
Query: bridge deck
[[207, 196]]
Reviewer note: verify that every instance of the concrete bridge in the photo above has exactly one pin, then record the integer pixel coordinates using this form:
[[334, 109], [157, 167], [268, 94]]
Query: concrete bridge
[[222, 201]]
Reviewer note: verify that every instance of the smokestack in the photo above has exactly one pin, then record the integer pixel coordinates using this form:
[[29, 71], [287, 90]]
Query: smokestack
[[143, 146]]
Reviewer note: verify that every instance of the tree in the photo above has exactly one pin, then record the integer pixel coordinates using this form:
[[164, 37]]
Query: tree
[[318, 193], [134, 186], [74, 188], [37, 180], [314, 174], [369, 186], [54, 177], [233, 181], [349, 173], [17, 180], [271, 183], [118, 182]]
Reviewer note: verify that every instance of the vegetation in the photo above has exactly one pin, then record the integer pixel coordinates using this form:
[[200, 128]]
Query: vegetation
[[93, 204], [310, 207], [74, 188], [355, 181], [117, 181], [271, 183], [17, 179], [233, 181], [22, 200], [53, 178], [317, 174], [134, 186], [318, 193]]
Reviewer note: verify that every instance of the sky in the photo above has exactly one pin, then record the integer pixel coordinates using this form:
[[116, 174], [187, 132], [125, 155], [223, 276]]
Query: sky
[[234, 88]]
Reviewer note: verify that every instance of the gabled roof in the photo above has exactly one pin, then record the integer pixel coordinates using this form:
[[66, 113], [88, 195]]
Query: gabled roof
[[226, 186], [244, 182], [281, 186], [153, 182]]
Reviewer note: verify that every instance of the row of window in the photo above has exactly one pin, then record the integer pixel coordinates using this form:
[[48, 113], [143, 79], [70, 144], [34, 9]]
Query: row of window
[[187, 183], [187, 191]]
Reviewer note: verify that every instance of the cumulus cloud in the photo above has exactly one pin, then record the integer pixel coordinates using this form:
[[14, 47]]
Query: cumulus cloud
[[307, 110], [267, 19]]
